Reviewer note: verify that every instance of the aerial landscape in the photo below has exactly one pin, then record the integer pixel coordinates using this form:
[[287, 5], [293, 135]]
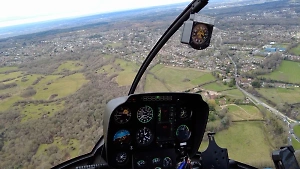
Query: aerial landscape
[[56, 79]]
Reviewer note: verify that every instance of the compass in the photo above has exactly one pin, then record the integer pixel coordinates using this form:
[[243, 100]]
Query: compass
[[200, 34]]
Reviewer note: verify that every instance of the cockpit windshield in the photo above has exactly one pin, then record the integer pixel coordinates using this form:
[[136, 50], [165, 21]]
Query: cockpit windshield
[[58, 74]]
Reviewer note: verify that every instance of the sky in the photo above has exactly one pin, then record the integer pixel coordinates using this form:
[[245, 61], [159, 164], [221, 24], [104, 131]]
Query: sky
[[15, 12]]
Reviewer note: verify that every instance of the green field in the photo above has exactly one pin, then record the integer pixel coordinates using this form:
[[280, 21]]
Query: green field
[[154, 85], [288, 71], [60, 86], [36, 111], [109, 69], [166, 78], [125, 70], [72, 147], [69, 66], [234, 93], [128, 73], [296, 144], [180, 79], [281, 95], [244, 112], [50, 86], [246, 142], [8, 103], [297, 130], [11, 75], [216, 86], [296, 50], [29, 80], [5, 69]]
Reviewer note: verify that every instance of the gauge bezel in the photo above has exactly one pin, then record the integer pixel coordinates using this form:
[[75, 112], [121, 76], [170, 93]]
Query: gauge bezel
[[122, 143], [141, 112], [117, 111], [188, 113], [143, 136], [125, 161], [188, 130], [169, 160], [195, 37]]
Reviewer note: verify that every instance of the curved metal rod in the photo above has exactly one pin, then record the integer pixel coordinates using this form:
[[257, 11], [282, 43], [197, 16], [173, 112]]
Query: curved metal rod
[[194, 7]]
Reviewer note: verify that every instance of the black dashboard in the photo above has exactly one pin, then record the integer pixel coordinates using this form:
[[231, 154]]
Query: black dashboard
[[152, 130]]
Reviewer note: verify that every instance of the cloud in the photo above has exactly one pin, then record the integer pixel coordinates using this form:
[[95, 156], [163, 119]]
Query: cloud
[[25, 11]]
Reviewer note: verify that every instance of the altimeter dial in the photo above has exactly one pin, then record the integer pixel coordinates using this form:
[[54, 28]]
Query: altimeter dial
[[145, 114]]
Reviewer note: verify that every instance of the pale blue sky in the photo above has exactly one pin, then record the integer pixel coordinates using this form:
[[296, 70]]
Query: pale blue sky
[[15, 12]]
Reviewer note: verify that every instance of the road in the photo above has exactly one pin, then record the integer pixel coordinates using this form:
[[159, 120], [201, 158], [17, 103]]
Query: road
[[290, 122]]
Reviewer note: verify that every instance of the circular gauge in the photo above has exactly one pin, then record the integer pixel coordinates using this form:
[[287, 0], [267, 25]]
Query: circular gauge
[[200, 34], [144, 136], [121, 157], [184, 113], [156, 161], [141, 163], [145, 114], [167, 162], [122, 115], [122, 137], [183, 133]]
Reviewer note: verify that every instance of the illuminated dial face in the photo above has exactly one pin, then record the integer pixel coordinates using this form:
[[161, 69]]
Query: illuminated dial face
[[122, 115], [144, 136], [183, 133], [184, 113], [122, 137], [167, 162], [200, 34], [121, 157], [145, 114]]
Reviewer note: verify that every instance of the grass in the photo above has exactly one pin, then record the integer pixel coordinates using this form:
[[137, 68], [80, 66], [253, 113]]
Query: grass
[[30, 79], [8, 103], [154, 85], [36, 111], [281, 95], [180, 79], [10, 75], [283, 73], [46, 79], [208, 77], [60, 86], [169, 78], [297, 130], [109, 69], [125, 75], [244, 112], [58, 142], [296, 50], [69, 66], [234, 93], [216, 86], [247, 138], [5, 69], [295, 144], [128, 73]]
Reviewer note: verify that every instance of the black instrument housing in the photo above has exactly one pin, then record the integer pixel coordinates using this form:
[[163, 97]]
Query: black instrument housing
[[196, 123]]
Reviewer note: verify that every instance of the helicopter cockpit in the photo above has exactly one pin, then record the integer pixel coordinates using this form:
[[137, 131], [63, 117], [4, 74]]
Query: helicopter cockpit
[[164, 130]]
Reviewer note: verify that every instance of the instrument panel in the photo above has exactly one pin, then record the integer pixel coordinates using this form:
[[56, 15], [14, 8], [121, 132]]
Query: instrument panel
[[152, 130]]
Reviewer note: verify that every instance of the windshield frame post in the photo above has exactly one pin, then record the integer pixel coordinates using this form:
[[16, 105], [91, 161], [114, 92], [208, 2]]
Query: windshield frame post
[[194, 7]]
